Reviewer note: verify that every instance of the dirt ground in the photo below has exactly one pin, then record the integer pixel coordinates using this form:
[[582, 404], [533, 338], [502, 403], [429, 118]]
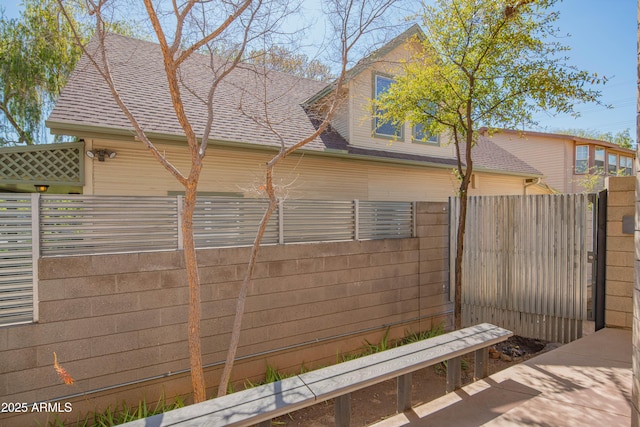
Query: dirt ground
[[378, 402]]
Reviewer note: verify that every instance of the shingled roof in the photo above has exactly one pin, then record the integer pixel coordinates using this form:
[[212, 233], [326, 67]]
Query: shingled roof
[[86, 107]]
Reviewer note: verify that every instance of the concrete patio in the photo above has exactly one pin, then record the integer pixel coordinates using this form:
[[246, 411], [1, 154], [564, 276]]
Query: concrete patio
[[584, 383]]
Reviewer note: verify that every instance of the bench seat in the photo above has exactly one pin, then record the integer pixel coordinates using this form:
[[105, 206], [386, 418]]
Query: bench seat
[[260, 404]]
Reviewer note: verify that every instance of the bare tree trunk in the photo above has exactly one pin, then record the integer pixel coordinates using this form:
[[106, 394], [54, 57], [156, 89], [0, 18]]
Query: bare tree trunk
[[244, 287], [462, 226], [191, 265]]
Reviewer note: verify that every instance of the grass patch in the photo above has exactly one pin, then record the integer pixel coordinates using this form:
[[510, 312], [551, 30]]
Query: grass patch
[[120, 414]]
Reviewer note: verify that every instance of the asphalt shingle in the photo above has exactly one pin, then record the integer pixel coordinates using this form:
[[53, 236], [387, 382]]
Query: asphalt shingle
[[240, 102]]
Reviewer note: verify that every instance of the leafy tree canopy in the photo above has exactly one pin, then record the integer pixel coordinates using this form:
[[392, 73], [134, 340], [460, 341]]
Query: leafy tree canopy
[[622, 138], [36, 57], [490, 63], [38, 52]]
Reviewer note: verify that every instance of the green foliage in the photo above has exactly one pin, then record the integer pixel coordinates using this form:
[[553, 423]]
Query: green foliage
[[487, 63], [411, 337], [278, 58], [36, 57], [622, 138], [121, 414], [484, 63]]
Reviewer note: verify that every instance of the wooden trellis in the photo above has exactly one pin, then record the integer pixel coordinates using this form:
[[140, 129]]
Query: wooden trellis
[[61, 164]]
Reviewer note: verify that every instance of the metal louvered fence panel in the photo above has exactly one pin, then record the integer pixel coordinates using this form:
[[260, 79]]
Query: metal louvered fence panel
[[231, 222], [88, 225], [525, 263], [16, 271], [385, 220], [318, 221], [73, 225]]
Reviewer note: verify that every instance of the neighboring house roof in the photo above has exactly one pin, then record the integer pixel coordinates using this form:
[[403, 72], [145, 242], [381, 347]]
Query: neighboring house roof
[[564, 137], [86, 107]]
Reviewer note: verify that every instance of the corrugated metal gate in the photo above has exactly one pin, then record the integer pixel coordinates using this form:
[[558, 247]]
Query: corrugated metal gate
[[525, 264]]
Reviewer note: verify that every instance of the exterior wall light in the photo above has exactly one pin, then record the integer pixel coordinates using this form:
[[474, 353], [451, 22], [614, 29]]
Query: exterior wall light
[[101, 154], [41, 188]]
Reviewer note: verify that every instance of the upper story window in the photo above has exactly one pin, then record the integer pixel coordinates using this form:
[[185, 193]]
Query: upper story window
[[598, 161], [612, 164], [582, 158], [626, 165], [380, 128], [421, 135]]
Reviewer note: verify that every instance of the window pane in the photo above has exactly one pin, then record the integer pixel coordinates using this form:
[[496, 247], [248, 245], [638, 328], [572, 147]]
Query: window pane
[[626, 164], [599, 160], [381, 128], [612, 164], [420, 135], [582, 159]]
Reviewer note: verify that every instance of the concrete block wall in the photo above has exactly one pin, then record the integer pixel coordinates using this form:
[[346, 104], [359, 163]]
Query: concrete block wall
[[620, 253], [116, 319]]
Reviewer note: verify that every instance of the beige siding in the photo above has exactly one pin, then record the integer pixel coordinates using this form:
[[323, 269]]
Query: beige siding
[[549, 156], [135, 172], [341, 120], [361, 120]]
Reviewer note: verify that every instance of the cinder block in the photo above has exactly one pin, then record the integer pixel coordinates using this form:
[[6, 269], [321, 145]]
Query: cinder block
[[136, 282], [154, 261], [114, 264], [54, 311], [117, 303], [336, 263], [432, 231], [615, 213], [178, 278], [159, 298], [66, 350], [358, 261], [432, 207], [619, 304], [621, 244], [215, 274], [124, 341], [620, 289], [64, 267], [3, 339], [622, 183], [161, 335], [620, 259], [173, 315], [89, 286], [312, 265], [434, 242], [141, 320], [620, 274], [18, 360], [614, 319], [51, 290], [621, 198], [282, 268]]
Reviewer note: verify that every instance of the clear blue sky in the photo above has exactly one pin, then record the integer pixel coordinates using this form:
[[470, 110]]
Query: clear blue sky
[[603, 40]]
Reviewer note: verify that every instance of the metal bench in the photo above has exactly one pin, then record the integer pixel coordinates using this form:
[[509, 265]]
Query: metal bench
[[260, 404]]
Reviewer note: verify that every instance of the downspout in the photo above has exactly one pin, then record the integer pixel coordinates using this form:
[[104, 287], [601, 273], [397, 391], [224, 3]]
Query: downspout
[[529, 182]]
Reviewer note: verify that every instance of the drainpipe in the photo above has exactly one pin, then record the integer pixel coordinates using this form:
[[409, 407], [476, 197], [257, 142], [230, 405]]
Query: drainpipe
[[529, 182]]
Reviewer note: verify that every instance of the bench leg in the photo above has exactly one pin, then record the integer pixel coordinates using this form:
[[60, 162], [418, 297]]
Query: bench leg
[[404, 393], [343, 410], [481, 366], [454, 379]]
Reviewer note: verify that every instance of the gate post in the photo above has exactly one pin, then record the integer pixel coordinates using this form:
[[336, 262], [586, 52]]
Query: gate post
[[601, 250]]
